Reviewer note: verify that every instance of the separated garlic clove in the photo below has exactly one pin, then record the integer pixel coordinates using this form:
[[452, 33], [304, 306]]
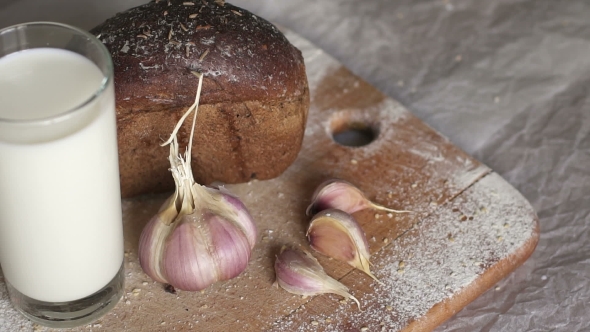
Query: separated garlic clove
[[200, 235], [342, 195], [298, 272], [337, 234]]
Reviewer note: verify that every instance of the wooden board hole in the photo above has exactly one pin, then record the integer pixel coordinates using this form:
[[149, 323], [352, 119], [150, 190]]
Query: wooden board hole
[[350, 129]]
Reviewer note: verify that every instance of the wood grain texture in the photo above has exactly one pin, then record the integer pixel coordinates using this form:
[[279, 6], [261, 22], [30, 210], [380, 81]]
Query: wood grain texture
[[469, 230]]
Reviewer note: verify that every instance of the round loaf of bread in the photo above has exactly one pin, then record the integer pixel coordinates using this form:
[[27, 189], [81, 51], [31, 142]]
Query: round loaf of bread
[[254, 100]]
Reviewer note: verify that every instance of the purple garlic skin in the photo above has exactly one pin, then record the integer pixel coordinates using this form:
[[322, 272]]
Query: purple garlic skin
[[337, 194], [244, 219], [205, 240]]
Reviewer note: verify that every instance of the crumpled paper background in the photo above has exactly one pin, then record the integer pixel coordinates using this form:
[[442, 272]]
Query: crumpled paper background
[[507, 81]]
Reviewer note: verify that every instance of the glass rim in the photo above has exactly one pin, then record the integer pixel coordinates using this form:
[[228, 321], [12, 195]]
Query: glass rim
[[68, 113]]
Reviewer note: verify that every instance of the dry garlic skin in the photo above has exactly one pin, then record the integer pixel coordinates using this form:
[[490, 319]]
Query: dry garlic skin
[[151, 246], [229, 246], [184, 258]]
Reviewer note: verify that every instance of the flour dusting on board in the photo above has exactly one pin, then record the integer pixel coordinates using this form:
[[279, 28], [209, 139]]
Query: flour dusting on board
[[436, 259], [10, 319]]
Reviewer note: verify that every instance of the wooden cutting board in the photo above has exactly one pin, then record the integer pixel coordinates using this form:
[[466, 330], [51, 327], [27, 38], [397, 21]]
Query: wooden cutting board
[[470, 229]]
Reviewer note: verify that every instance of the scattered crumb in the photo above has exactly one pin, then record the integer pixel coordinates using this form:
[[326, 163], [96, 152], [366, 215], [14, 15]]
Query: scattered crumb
[[458, 58], [354, 161], [169, 289]]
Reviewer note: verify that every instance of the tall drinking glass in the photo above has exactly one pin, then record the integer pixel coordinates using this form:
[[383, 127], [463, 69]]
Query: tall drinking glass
[[61, 233]]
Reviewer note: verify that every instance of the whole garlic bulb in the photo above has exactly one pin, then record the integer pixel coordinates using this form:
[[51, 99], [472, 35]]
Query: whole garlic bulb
[[192, 251], [200, 235]]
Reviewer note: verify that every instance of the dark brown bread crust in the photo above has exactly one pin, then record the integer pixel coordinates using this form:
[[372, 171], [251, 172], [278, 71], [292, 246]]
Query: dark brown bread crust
[[254, 101]]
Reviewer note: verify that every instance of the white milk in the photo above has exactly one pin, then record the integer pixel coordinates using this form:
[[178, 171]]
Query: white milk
[[61, 235]]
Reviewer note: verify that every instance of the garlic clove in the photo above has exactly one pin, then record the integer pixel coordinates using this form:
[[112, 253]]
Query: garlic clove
[[242, 217], [337, 234], [298, 272], [230, 247], [342, 195], [151, 246], [187, 263], [204, 248]]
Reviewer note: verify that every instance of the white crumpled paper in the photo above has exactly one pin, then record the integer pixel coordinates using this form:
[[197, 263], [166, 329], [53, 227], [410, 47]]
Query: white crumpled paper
[[507, 81]]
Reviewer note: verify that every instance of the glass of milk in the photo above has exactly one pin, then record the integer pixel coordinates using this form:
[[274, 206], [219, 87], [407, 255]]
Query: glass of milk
[[61, 232]]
